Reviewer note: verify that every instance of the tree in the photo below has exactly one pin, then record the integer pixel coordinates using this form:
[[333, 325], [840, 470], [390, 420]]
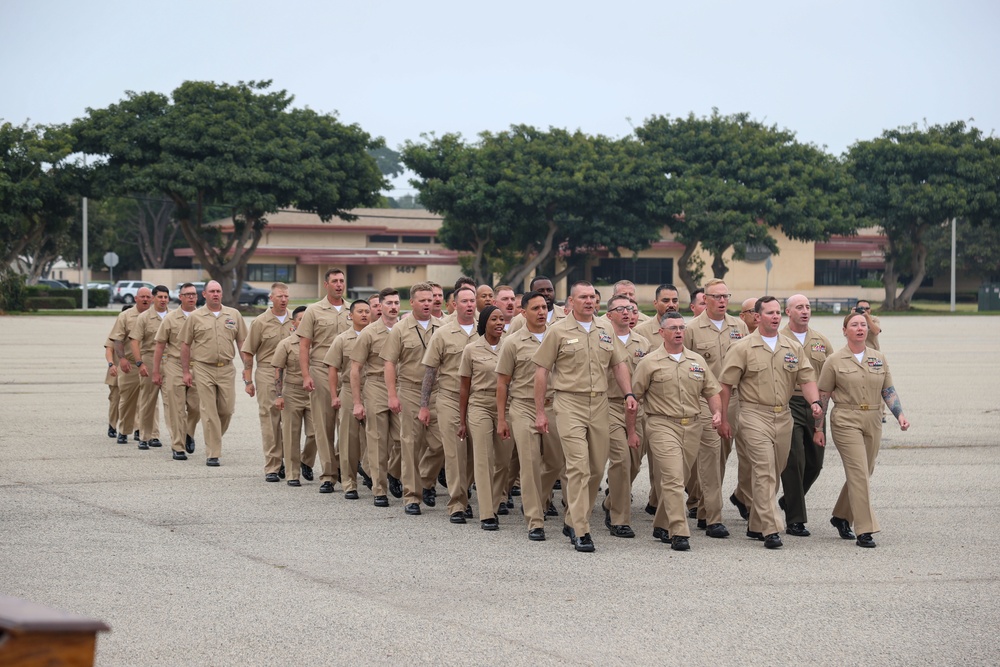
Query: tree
[[517, 198], [975, 249], [241, 147], [731, 179], [911, 180]]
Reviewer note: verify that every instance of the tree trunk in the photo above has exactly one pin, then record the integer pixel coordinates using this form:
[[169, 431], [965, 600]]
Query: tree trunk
[[889, 279], [918, 267], [719, 268], [516, 275], [684, 267]]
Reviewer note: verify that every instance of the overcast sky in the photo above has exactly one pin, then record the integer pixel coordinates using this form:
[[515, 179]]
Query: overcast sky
[[833, 72]]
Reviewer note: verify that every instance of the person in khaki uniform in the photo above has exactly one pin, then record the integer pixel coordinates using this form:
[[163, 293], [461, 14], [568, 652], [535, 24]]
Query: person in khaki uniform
[[693, 482], [711, 334], [128, 377], [666, 299], [183, 409], [543, 286], [404, 374], [209, 340], [477, 405], [292, 400], [111, 379], [441, 365], [266, 331], [805, 458], [323, 321], [766, 366], [540, 455], [748, 314], [350, 434], [857, 376], [371, 404], [142, 338], [672, 381], [578, 352], [623, 461]]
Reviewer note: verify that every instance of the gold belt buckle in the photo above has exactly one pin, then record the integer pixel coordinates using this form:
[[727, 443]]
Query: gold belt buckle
[[221, 364], [778, 408], [864, 406], [684, 421], [593, 394]]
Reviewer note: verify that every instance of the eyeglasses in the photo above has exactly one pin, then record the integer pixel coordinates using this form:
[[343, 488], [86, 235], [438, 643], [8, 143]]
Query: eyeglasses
[[682, 327], [623, 309], [864, 307], [188, 294], [720, 296], [749, 310]]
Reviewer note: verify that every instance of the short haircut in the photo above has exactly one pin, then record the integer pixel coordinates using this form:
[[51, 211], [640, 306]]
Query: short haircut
[[298, 309], [616, 298], [359, 302], [275, 286], [537, 279], [464, 288], [579, 283], [525, 298], [465, 280], [622, 283], [421, 287], [387, 291], [664, 287], [850, 314], [496, 290], [185, 286], [160, 288], [670, 315], [696, 292], [759, 305], [434, 284], [333, 272], [713, 282], [862, 301]]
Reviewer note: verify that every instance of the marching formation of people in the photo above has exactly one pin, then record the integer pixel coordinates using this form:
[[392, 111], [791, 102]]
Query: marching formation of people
[[509, 394]]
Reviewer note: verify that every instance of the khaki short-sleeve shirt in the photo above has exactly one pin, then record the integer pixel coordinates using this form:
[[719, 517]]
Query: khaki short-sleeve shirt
[[286, 355], [479, 362], [321, 323], [144, 331], [265, 333], [817, 347], [712, 344], [517, 323], [169, 332], [444, 353], [674, 388], [515, 360], [578, 359], [407, 345], [636, 348], [339, 356], [765, 377], [856, 383], [212, 337], [122, 328], [368, 347]]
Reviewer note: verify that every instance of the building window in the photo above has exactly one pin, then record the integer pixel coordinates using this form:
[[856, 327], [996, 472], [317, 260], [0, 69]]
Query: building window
[[418, 239], [383, 238], [643, 271], [837, 272], [271, 273]]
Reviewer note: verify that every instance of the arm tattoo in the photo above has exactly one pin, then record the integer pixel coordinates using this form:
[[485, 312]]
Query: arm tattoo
[[120, 349], [824, 399], [279, 381], [247, 363], [430, 375], [891, 399]]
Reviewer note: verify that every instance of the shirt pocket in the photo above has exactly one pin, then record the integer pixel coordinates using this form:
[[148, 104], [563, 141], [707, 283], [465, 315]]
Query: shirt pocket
[[705, 350]]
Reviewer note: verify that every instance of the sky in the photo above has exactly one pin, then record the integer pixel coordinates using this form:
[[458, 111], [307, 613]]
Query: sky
[[832, 72]]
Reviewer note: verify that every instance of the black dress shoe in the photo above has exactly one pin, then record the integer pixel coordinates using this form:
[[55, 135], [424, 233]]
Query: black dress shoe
[[570, 533], [781, 503], [381, 501], [155, 442], [865, 540], [189, 444], [457, 517], [772, 541], [702, 524], [430, 498], [281, 471], [143, 444], [661, 534], [692, 512], [135, 436], [365, 477], [551, 510], [536, 534], [468, 512], [293, 482], [515, 490], [679, 543], [122, 439], [585, 544], [212, 462], [754, 535], [326, 487], [442, 478], [395, 487], [307, 472], [717, 530], [622, 531], [510, 502], [112, 432], [744, 512], [502, 510], [843, 527], [490, 524], [798, 530], [351, 495], [607, 519], [650, 510], [180, 456], [271, 477], [413, 509]]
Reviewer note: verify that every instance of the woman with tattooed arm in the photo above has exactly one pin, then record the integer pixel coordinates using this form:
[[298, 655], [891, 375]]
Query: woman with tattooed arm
[[858, 378]]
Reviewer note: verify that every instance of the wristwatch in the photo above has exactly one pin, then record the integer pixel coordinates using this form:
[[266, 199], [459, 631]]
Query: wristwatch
[[138, 363], [247, 383]]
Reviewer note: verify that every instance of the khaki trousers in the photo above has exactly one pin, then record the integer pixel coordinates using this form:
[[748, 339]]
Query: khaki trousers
[[148, 408], [805, 461], [457, 451], [294, 417], [585, 447], [623, 464], [712, 456], [270, 417], [352, 439], [857, 435], [766, 436], [113, 404], [674, 446], [324, 422], [502, 478], [128, 401], [217, 400], [530, 448], [482, 427], [415, 440], [180, 401], [382, 427]]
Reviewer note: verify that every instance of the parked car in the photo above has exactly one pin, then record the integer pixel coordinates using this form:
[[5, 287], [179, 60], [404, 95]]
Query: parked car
[[105, 286], [248, 295], [49, 282], [124, 291]]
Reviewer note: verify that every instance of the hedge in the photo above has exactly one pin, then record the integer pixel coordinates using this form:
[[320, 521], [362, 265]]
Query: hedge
[[96, 298], [50, 302]]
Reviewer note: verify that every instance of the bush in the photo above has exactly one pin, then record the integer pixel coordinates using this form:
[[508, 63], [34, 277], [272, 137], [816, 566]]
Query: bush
[[12, 291], [96, 298], [50, 302]]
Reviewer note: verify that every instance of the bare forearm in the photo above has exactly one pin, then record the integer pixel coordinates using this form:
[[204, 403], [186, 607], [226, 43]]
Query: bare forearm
[[304, 344], [390, 379], [623, 377], [185, 357], [356, 382], [279, 380], [427, 386], [119, 348], [247, 361], [824, 401], [891, 399], [541, 382]]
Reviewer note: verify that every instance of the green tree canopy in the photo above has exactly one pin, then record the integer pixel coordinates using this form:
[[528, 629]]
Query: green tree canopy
[[517, 198], [731, 179], [239, 146], [911, 180]]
